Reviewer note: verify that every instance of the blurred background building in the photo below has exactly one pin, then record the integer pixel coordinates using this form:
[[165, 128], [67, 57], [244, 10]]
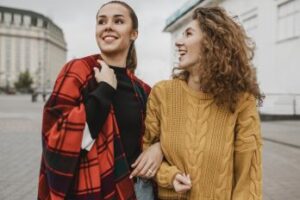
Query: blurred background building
[[274, 25], [30, 41]]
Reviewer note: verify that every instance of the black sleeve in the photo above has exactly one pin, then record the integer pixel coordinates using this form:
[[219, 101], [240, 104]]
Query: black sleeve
[[97, 107]]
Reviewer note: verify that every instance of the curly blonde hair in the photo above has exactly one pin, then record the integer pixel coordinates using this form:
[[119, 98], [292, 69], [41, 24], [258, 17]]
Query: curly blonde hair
[[226, 68]]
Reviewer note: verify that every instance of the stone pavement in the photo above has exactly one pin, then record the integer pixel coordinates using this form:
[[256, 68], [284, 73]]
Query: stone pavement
[[20, 147], [20, 150]]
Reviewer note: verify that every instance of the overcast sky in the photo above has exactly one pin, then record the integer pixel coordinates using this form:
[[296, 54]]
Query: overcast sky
[[77, 19]]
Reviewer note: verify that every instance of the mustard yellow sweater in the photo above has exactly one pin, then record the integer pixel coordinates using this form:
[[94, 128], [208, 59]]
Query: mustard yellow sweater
[[220, 150]]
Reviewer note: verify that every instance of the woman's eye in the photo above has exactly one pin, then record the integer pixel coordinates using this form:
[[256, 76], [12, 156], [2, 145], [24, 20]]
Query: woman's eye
[[187, 34], [101, 22], [119, 21]]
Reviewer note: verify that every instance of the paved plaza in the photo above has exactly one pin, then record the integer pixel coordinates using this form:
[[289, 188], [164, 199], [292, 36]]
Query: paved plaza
[[20, 150]]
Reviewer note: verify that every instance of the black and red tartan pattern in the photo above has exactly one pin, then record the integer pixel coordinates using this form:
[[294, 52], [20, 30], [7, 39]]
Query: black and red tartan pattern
[[68, 173]]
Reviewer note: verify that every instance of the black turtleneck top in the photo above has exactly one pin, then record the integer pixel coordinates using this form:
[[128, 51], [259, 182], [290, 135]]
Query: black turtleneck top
[[127, 111]]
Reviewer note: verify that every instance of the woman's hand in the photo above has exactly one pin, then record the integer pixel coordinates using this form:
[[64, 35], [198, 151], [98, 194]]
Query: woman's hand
[[182, 183], [147, 164], [106, 74]]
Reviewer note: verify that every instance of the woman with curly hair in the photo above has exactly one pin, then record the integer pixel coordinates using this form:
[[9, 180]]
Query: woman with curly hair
[[206, 117]]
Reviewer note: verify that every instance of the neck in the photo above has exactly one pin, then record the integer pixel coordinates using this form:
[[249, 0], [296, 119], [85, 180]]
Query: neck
[[116, 59], [194, 79]]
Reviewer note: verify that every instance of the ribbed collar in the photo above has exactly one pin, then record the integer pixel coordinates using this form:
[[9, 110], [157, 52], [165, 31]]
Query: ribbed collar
[[118, 70]]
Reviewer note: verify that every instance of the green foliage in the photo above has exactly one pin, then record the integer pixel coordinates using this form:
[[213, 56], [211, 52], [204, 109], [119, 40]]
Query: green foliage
[[24, 82]]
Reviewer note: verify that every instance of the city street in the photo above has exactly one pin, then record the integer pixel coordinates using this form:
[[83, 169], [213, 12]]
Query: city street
[[20, 151]]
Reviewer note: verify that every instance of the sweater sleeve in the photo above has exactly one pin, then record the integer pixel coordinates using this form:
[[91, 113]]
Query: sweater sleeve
[[166, 172], [97, 106], [153, 119], [247, 154]]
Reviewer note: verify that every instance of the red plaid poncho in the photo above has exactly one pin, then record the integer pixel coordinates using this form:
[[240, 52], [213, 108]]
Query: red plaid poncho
[[102, 173]]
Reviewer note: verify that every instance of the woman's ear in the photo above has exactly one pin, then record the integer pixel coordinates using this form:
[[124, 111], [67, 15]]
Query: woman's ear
[[134, 35]]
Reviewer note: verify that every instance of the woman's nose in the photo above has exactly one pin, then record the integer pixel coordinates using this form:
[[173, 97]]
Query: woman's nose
[[178, 42], [108, 26]]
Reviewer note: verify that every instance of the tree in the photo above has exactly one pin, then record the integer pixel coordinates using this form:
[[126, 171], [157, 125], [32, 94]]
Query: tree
[[24, 82]]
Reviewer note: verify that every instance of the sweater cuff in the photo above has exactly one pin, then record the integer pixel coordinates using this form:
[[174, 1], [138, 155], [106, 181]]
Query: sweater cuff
[[166, 175], [99, 99], [172, 173], [103, 93]]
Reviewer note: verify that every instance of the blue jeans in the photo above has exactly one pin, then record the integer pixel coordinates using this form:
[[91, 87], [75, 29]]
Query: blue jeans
[[143, 189]]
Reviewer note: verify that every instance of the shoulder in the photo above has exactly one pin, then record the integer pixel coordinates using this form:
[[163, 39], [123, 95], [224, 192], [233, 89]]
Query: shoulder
[[246, 101], [142, 84], [79, 68], [87, 62], [90, 60], [246, 97], [161, 89], [166, 85]]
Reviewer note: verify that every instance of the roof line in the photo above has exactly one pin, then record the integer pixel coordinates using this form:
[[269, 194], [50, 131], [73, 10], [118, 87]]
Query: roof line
[[181, 12], [28, 12]]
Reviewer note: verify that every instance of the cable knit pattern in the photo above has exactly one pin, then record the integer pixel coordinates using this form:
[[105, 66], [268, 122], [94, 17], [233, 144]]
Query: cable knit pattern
[[220, 150], [196, 129]]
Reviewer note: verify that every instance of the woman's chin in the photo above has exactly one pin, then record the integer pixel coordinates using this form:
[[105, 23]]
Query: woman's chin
[[108, 51], [182, 65]]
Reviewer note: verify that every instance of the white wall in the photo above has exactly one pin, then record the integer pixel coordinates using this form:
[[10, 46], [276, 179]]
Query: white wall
[[277, 61]]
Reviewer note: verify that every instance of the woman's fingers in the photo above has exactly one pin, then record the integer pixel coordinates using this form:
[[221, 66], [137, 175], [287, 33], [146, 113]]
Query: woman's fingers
[[138, 168], [182, 188], [146, 171], [102, 63], [183, 179], [97, 73], [182, 183], [106, 74], [148, 162]]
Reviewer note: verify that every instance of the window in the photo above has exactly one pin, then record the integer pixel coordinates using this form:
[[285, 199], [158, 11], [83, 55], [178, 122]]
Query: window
[[34, 21], [26, 20], [288, 20], [8, 55], [45, 24], [40, 22], [18, 54], [250, 25], [1, 70], [17, 19], [27, 54], [7, 18]]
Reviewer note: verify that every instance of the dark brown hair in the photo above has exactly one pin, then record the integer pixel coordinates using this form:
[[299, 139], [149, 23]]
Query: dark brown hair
[[131, 60], [226, 68]]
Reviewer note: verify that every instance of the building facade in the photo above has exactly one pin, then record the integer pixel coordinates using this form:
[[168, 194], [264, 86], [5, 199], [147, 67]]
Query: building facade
[[274, 25], [30, 41]]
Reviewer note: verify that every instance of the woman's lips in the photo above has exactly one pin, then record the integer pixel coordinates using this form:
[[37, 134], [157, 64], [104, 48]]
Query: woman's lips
[[109, 38], [182, 53]]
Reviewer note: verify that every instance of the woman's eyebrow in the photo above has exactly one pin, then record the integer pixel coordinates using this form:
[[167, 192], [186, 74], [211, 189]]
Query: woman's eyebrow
[[105, 16]]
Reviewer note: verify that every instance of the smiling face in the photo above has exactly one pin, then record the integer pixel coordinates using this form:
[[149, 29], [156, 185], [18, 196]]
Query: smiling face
[[189, 45], [114, 29]]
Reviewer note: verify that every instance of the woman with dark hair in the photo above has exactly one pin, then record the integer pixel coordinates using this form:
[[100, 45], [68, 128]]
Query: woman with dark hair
[[93, 122], [206, 117]]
